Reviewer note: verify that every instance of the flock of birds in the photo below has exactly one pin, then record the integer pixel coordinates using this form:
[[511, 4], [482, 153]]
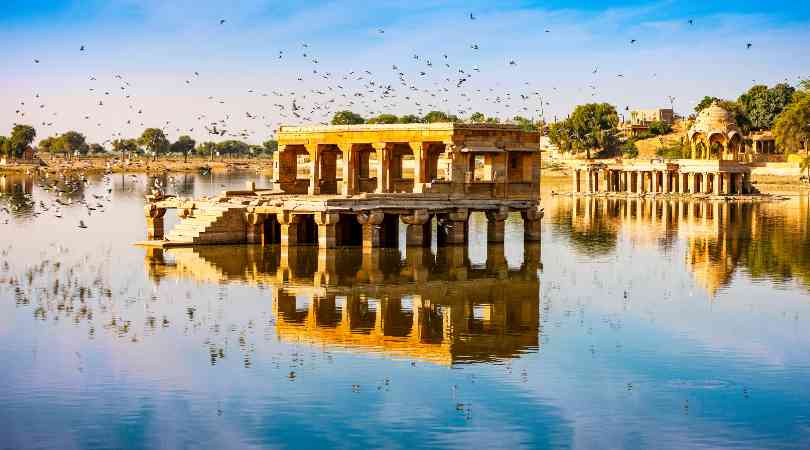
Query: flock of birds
[[421, 84]]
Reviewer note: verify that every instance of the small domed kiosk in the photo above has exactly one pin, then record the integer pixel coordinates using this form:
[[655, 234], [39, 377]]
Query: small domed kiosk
[[715, 135]]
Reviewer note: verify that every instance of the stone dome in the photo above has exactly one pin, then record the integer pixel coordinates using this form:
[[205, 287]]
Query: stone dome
[[714, 120]]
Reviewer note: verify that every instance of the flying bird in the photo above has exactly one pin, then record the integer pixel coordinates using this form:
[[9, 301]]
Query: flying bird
[[632, 41], [81, 49], [221, 21], [691, 22], [749, 45], [472, 17]]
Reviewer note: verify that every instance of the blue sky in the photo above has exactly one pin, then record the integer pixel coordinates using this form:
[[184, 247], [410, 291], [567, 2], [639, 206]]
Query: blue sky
[[586, 55]]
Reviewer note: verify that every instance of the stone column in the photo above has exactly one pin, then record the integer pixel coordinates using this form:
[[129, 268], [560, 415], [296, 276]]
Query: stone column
[[458, 167], [729, 178], [694, 189], [454, 226], [350, 169], [496, 221], [254, 227], [666, 184], [372, 228], [420, 150], [418, 231], [154, 222], [575, 183], [639, 183], [531, 224], [315, 172], [738, 183], [326, 229], [384, 166], [289, 228], [681, 183], [716, 183], [707, 187], [590, 180], [746, 183]]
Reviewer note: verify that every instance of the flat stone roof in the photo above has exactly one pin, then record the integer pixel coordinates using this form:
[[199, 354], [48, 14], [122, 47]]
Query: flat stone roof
[[438, 126]]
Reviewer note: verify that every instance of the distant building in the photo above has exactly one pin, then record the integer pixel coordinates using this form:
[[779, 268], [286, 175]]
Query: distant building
[[640, 120], [647, 116]]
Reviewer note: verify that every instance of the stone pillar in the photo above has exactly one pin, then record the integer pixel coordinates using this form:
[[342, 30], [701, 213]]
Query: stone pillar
[[694, 188], [707, 187], [575, 182], [289, 228], [384, 166], [254, 227], [315, 172], [326, 229], [154, 222], [654, 181], [681, 183], [716, 183], [420, 168], [496, 224], [454, 226], [639, 183], [531, 224], [372, 228], [590, 180], [667, 183], [729, 177], [746, 183], [350, 169], [738, 183], [418, 231]]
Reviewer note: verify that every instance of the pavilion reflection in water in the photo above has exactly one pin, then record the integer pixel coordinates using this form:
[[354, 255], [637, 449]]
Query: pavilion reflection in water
[[432, 307], [718, 234]]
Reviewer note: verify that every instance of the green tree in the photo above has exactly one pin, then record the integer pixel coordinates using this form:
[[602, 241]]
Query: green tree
[[658, 128], [562, 136], [155, 141], [124, 146], [594, 126], [96, 149], [185, 145], [477, 117], [347, 118], [384, 118], [762, 105], [207, 148], [21, 138], [524, 123], [792, 127], [439, 116], [72, 142], [705, 103], [270, 146], [410, 118], [48, 145], [232, 147]]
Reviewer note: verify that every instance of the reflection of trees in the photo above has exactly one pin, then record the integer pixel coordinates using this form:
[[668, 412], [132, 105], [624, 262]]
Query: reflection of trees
[[769, 240], [590, 234], [780, 243]]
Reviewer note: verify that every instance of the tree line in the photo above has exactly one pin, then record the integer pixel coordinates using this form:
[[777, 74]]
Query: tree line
[[152, 143], [352, 118]]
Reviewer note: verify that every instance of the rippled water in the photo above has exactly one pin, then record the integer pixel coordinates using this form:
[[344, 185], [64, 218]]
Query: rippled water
[[635, 324]]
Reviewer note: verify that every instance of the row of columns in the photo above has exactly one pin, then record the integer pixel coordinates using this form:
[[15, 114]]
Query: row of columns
[[505, 166], [660, 182], [371, 229]]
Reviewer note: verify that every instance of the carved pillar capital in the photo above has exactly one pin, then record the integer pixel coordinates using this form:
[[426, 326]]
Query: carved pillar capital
[[287, 218], [459, 215], [370, 217], [254, 218], [324, 218], [418, 217], [499, 214]]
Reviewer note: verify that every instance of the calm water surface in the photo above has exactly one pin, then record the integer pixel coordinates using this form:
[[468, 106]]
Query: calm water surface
[[637, 324]]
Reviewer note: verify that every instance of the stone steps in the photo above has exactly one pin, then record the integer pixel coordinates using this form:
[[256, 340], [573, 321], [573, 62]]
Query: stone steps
[[210, 226]]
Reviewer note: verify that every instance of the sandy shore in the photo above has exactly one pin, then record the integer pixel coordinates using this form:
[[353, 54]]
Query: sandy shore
[[90, 165]]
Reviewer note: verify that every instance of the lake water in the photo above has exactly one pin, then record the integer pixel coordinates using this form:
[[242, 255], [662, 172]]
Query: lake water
[[635, 324]]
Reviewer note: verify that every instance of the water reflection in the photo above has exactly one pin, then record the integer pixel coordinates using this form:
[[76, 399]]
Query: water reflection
[[432, 307], [767, 240]]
